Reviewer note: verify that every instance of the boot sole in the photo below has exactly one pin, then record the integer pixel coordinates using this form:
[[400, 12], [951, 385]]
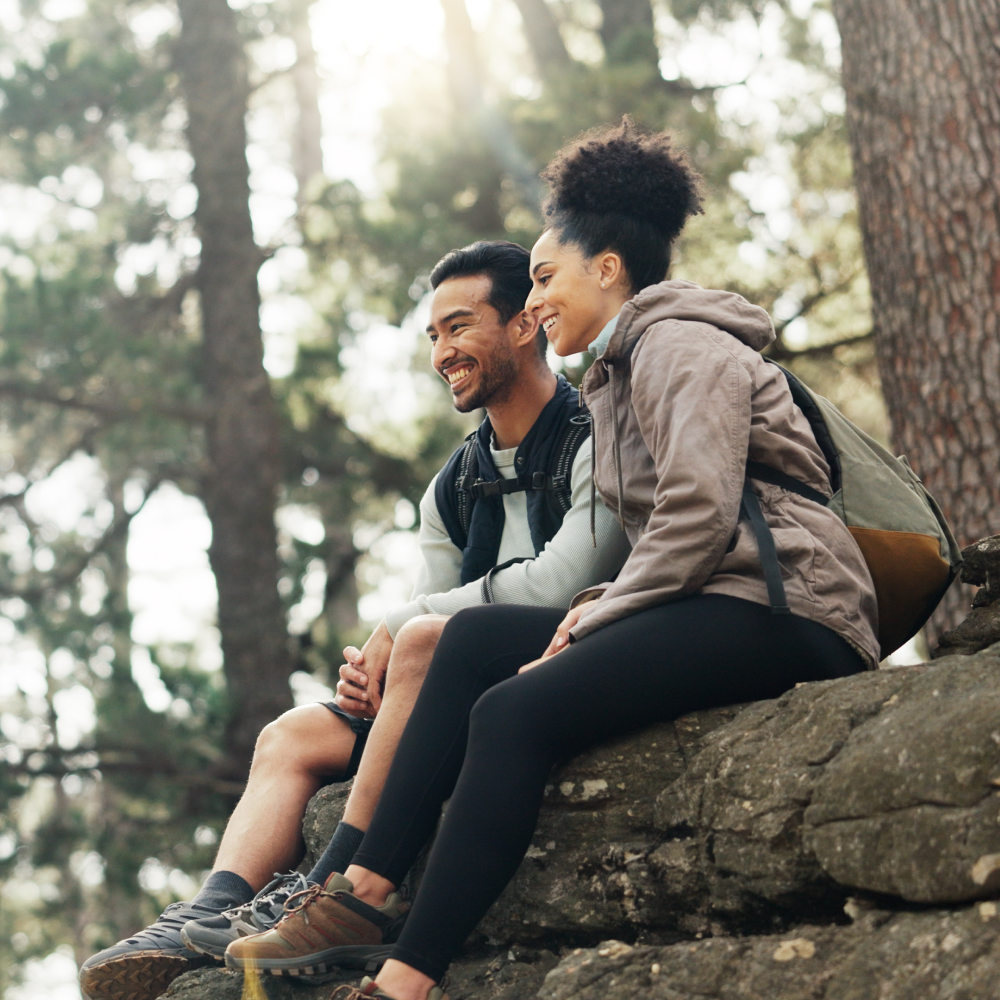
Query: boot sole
[[369, 958], [140, 976]]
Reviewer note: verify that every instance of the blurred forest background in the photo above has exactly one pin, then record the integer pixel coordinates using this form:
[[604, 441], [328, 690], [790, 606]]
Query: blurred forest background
[[216, 413]]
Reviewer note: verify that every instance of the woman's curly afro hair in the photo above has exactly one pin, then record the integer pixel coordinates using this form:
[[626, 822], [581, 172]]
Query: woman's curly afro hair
[[623, 189]]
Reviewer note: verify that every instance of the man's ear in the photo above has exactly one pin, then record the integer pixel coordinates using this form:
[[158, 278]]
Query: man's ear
[[525, 325]]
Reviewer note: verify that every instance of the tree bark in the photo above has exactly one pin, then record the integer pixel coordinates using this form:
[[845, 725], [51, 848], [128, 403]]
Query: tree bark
[[542, 33], [922, 79], [627, 31], [307, 150], [241, 485]]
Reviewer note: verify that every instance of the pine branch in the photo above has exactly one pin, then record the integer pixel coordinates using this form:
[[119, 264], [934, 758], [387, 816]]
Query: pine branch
[[109, 410]]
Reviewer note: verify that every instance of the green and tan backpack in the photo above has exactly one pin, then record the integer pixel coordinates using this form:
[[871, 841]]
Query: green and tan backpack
[[909, 547]]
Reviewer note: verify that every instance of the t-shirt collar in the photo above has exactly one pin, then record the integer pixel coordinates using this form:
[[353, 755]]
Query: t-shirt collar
[[598, 346]]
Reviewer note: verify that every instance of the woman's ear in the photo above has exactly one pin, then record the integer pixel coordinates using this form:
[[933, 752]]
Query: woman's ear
[[610, 269]]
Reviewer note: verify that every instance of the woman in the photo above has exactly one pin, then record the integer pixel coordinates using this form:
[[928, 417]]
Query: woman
[[681, 400]]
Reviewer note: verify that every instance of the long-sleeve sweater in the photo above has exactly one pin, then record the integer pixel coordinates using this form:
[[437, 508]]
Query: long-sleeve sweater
[[568, 564]]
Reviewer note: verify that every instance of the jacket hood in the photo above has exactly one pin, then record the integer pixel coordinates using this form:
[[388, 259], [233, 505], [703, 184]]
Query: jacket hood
[[685, 300]]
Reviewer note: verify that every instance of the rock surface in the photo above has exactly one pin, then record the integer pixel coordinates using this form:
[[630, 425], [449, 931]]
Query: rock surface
[[510, 974], [724, 847], [744, 821], [981, 628], [937, 955]]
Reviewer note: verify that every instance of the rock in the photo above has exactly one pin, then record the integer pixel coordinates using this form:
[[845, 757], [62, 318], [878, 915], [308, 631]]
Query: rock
[[981, 628], [745, 821], [583, 877], [324, 812], [733, 856], [508, 974], [981, 568], [589, 867], [911, 805], [936, 955]]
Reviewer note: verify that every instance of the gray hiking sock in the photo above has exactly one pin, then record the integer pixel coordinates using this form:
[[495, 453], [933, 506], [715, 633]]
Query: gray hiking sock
[[339, 853], [224, 890]]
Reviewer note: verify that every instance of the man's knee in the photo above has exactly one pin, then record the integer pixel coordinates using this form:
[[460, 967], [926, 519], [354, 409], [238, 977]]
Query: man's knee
[[415, 644], [292, 737]]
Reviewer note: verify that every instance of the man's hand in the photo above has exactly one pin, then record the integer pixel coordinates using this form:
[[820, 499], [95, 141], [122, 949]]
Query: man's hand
[[362, 677], [560, 640]]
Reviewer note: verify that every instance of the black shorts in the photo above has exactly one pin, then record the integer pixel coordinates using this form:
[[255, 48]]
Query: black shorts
[[361, 728]]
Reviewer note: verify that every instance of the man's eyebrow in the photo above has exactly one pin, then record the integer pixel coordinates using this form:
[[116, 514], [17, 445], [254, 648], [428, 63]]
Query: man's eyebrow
[[541, 263], [462, 311]]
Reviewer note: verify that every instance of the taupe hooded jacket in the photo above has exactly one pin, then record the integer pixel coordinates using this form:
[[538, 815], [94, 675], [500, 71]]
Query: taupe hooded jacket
[[680, 399]]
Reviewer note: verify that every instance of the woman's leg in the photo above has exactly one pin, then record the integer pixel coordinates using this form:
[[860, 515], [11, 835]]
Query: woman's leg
[[479, 647], [654, 666]]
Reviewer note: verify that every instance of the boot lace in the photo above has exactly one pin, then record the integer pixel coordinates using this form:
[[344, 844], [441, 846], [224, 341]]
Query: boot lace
[[299, 902]]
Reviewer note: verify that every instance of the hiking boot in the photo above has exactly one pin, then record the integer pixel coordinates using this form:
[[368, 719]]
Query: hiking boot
[[369, 988], [143, 967], [212, 935], [324, 927]]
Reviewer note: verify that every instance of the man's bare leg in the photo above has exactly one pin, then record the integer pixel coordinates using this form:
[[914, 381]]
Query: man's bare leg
[[411, 656], [294, 755]]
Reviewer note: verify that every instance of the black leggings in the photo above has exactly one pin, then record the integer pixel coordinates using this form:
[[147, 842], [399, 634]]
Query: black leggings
[[488, 736]]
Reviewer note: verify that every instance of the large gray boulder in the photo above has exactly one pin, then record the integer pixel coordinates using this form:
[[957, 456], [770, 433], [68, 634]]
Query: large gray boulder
[[743, 832], [936, 955], [742, 821], [911, 805]]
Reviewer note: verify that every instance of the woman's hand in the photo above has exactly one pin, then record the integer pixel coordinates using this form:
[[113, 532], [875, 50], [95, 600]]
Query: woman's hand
[[560, 640]]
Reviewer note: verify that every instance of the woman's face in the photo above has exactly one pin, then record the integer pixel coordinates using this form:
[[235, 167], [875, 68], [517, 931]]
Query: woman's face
[[574, 296]]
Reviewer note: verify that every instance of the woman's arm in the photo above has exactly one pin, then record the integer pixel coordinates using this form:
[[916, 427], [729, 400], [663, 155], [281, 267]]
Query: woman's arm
[[691, 397]]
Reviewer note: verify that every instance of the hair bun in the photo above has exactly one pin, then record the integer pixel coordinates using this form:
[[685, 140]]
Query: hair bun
[[624, 170]]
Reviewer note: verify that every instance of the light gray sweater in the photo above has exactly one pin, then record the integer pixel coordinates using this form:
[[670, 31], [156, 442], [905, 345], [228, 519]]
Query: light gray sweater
[[568, 564]]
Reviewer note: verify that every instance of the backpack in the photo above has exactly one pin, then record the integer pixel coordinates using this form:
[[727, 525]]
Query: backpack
[[910, 549]]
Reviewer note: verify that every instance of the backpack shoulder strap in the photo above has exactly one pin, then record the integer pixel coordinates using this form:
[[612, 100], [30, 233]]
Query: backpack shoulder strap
[[451, 494], [574, 434]]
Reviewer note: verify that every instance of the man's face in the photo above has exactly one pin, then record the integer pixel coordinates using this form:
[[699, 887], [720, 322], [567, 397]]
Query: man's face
[[470, 348]]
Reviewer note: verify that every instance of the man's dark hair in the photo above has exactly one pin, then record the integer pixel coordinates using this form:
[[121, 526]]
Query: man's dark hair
[[505, 264]]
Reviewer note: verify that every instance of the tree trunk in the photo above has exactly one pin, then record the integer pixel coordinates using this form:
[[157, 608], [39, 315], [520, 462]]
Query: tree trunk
[[627, 31], [922, 79], [544, 40], [466, 80], [241, 485], [307, 150]]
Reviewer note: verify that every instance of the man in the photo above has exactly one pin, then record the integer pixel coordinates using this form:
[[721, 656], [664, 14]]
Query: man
[[522, 535]]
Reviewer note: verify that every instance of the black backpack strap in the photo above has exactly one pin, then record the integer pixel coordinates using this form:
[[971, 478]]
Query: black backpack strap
[[452, 503], [750, 511], [764, 473], [487, 587], [577, 430], [463, 475], [479, 488]]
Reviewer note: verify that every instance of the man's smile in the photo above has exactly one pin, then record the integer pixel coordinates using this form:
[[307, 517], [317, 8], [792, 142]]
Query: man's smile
[[456, 375]]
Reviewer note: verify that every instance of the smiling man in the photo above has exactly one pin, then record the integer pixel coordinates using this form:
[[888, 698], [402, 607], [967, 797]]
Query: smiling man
[[506, 520]]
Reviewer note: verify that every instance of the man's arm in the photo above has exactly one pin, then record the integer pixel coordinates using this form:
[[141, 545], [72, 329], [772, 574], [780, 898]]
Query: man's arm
[[568, 564]]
